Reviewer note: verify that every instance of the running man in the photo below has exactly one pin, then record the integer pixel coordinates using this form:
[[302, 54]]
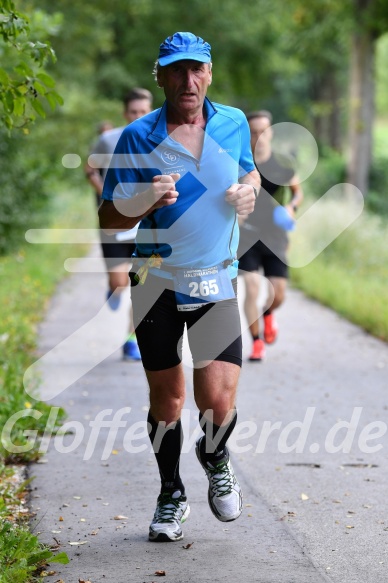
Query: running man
[[118, 249], [189, 173], [272, 257]]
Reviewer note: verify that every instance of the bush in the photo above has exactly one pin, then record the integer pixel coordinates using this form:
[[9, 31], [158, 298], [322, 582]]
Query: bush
[[377, 199], [331, 170], [24, 197], [351, 274]]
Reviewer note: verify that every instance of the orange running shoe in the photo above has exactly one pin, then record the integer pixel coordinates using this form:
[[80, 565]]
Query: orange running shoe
[[258, 350], [270, 329]]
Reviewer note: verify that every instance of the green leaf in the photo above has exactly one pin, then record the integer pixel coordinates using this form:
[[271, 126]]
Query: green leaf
[[8, 101], [4, 78], [60, 558], [19, 106], [22, 89], [51, 100], [24, 69], [39, 87], [59, 98], [37, 45], [8, 121], [46, 79], [39, 557], [38, 107]]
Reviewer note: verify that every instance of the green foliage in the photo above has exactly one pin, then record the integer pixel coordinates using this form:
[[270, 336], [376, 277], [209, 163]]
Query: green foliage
[[24, 189], [21, 300], [373, 15], [22, 555], [382, 76], [28, 280], [329, 171], [73, 131], [351, 274], [129, 35], [25, 87], [377, 200]]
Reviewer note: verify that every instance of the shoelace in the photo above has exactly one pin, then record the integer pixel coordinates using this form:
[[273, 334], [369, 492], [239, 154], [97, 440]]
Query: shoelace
[[222, 480], [167, 507]]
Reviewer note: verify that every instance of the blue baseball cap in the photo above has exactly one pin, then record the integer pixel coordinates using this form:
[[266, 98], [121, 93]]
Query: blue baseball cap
[[183, 45]]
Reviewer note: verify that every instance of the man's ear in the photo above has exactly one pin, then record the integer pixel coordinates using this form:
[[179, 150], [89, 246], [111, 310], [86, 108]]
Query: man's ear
[[159, 79]]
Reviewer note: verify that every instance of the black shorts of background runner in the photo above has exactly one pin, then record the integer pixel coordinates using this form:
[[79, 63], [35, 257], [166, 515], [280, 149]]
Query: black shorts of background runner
[[214, 331], [260, 256], [116, 252]]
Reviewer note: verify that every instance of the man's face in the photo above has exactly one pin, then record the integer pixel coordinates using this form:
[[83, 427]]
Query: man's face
[[260, 139], [137, 108], [185, 84]]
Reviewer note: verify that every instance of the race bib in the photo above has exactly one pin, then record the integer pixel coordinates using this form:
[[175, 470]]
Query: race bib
[[196, 287]]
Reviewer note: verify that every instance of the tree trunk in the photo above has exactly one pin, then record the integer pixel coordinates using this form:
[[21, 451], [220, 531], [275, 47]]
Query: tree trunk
[[335, 128], [361, 109]]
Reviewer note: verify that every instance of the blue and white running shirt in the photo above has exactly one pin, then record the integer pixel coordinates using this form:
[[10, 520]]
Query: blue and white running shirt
[[200, 229]]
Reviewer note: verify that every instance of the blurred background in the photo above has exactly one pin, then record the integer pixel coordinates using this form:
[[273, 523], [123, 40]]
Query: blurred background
[[322, 65], [64, 68]]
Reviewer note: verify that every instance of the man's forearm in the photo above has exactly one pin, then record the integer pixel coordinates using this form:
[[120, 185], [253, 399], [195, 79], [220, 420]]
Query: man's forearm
[[112, 219], [94, 178], [297, 194], [125, 213]]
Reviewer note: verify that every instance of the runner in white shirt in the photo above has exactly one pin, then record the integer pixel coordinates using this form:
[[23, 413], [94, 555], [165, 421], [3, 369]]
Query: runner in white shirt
[[118, 249]]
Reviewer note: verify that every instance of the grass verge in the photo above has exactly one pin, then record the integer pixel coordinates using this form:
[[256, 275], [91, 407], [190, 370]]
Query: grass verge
[[351, 274], [29, 277]]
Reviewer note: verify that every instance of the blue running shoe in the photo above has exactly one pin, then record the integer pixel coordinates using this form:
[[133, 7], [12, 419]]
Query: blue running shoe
[[131, 351], [113, 300]]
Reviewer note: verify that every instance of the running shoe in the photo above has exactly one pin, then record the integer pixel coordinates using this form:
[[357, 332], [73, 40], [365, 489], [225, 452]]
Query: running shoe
[[270, 329], [131, 350], [113, 299], [171, 510], [258, 350], [224, 494]]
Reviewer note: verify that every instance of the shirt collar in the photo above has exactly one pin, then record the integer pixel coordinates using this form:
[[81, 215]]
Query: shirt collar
[[159, 131]]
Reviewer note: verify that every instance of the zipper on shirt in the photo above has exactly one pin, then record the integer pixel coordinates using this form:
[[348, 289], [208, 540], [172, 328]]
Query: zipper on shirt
[[191, 157]]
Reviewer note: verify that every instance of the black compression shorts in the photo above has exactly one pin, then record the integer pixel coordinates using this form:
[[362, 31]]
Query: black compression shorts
[[214, 331], [260, 256], [116, 252]]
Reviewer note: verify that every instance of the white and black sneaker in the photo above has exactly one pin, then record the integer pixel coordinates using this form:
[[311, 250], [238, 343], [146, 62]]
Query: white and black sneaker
[[224, 494], [171, 510]]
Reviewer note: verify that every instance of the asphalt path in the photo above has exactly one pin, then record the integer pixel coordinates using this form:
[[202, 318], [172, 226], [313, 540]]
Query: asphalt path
[[310, 453]]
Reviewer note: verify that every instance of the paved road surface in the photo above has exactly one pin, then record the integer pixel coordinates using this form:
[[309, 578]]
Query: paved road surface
[[310, 516]]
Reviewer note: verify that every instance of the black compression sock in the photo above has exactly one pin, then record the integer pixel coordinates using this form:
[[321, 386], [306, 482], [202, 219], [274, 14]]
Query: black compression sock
[[167, 445], [213, 447]]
